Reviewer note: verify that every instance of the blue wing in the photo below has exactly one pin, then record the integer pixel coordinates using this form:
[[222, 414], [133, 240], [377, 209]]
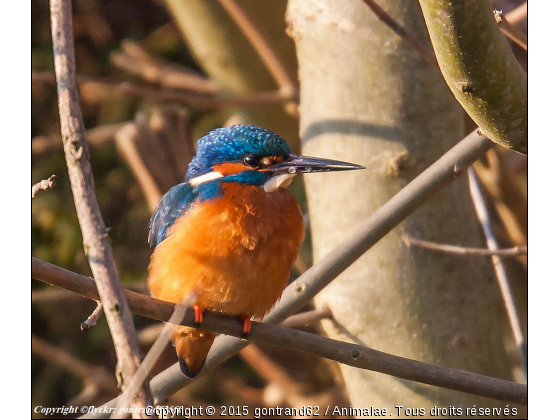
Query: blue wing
[[176, 202]]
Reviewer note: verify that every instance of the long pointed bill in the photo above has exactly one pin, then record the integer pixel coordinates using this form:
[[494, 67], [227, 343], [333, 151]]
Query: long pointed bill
[[304, 164]]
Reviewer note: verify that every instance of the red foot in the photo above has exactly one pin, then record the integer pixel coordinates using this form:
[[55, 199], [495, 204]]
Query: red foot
[[198, 315], [246, 326]]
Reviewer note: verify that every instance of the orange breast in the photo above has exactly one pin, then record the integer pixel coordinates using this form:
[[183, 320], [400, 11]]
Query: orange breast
[[234, 253]]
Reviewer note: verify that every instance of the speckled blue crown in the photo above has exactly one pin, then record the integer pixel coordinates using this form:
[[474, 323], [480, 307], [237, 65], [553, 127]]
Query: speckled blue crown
[[230, 144]]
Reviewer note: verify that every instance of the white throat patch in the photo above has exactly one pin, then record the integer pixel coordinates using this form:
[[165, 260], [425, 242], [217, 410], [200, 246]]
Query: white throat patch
[[278, 181], [210, 176]]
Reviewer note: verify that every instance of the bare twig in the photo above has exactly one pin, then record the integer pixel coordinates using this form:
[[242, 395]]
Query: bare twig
[[206, 102], [86, 395], [347, 353], [149, 334], [402, 32], [137, 61], [301, 291], [500, 182], [271, 372], [49, 295], [511, 308], [96, 246], [97, 135], [300, 264], [267, 54], [92, 319], [461, 250], [307, 318], [126, 145], [517, 14], [45, 184], [83, 370], [155, 352]]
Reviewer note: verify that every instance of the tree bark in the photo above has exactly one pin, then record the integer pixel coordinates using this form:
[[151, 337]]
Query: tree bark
[[367, 97]]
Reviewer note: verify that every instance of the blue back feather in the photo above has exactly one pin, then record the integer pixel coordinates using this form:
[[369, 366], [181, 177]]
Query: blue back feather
[[172, 205]]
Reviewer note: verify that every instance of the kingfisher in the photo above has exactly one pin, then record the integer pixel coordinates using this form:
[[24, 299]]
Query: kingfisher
[[229, 234]]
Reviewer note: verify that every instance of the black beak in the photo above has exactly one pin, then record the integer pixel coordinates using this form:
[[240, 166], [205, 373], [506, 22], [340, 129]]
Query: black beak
[[296, 164]]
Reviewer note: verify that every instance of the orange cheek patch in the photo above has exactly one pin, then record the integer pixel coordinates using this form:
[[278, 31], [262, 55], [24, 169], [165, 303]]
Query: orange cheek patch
[[271, 160], [229, 168]]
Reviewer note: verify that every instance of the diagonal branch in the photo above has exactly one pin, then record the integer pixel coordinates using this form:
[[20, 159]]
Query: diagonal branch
[[513, 33], [269, 57], [402, 32], [347, 353], [503, 281], [96, 246], [79, 368], [461, 250], [517, 14], [154, 354]]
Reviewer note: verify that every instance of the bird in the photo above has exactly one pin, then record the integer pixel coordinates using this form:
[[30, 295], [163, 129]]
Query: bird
[[229, 234]]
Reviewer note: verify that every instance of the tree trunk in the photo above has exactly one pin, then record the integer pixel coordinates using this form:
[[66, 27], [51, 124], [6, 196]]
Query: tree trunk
[[223, 51], [367, 97]]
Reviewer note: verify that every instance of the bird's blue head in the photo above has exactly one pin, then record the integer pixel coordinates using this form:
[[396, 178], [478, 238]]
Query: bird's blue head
[[250, 155]]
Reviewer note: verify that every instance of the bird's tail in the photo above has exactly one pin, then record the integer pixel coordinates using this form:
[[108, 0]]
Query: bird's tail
[[192, 346]]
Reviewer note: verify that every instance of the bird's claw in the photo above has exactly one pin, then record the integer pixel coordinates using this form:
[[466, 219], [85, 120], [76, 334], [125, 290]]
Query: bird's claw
[[198, 315], [246, 326]]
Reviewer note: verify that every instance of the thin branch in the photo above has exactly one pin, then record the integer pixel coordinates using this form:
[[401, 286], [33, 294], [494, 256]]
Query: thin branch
[[154, 354], [135, 60], [127, 146], [92, 319], [273, 373], [342, 352], [300, 264], [503, 281], [372, 230], [49, 295], [263, 48], [149, 334], [45, 184], [205, 102], [307, 318], [83, 370], [86, 396], [461, 250], [97, 135], [402, 32], [96, 246]]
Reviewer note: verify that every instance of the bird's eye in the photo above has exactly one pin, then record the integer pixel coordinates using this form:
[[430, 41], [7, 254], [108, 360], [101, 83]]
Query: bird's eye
[[251, 160]]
